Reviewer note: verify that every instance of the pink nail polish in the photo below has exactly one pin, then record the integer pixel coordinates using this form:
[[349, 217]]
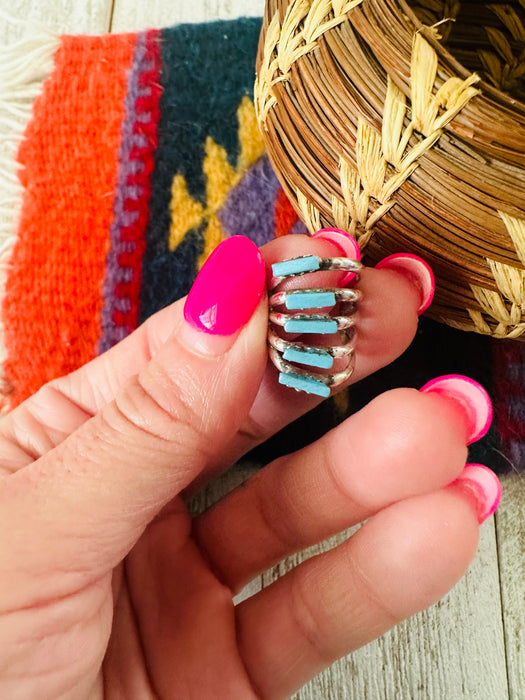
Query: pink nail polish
[[346, 244], [483, 484], [471, 396], [227, 289], [417, 270]]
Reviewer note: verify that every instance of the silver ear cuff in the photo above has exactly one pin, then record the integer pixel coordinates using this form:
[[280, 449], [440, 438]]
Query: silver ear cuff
[[285, 354]]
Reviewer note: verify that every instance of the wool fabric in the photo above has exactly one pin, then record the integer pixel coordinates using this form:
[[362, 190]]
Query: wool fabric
[[141, 155]]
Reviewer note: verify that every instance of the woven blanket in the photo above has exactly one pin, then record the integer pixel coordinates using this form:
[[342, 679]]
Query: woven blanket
[[137, 155]]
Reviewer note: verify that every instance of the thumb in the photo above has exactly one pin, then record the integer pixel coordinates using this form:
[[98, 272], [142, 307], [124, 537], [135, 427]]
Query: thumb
[[84, 504]]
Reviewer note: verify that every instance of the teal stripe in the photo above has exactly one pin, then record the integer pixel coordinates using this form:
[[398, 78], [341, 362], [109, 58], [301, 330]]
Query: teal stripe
[[306, 384], [314, 358], [206, 71], [310, 325], [310, 300], [295, 267]]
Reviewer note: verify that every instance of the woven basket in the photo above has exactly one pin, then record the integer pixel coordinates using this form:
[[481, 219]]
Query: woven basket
[[405, 125]]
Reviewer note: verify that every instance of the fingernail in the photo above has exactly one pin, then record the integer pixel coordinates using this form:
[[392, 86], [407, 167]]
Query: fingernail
[[225, 294], [346, 244], [471, 396], [417, 271], [483, 484]]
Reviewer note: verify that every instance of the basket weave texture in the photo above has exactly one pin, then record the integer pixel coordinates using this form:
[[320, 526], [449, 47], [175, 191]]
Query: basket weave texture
[[405, 125]]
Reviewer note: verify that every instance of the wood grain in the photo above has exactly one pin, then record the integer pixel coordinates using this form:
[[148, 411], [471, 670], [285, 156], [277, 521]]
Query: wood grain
[[440, 653], [510, 522], [454, 650], [62, 16], [127, 16]]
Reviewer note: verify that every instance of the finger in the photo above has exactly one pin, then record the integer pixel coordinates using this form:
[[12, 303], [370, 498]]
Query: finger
[[387, 319], [185, 620], [393, 294], [386, 323], [401, 561], [343, 478], [86, 502], [64, 404]]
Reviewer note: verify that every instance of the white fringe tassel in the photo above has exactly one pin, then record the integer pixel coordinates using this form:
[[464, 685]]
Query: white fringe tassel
[[24, 66]]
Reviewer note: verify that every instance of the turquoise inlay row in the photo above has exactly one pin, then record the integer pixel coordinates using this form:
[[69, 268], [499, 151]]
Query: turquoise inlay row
[[310, 325], [314, 358], [296, 267], [310, 300], [307, 384]]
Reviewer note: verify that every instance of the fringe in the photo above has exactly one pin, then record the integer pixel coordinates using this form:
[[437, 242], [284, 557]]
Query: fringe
[[24, 65]]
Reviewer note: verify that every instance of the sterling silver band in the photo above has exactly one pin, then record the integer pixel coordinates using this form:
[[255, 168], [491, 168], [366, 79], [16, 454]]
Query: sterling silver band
[[344, 295], [305, 264], [341, 322], [298, 362], [336, 351], [329, 380]]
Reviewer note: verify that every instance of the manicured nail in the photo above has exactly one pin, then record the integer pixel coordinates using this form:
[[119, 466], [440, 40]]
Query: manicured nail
[[225, 294], [471, 396], [346, 244], [417, 271], [483, 484]]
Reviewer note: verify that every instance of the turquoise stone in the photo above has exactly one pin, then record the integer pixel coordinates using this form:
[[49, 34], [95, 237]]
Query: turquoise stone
[[309, 357], [306, 384]]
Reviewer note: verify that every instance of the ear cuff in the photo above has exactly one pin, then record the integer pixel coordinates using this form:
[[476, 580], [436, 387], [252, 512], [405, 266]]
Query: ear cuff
[[293, 358]]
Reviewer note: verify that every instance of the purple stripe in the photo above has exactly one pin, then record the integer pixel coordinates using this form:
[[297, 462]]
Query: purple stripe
[[248, 211], [145, 117], [135, 192], [517, 454], [299, 227], [123, 305], [133, 167], [123, 217], [122, 274]]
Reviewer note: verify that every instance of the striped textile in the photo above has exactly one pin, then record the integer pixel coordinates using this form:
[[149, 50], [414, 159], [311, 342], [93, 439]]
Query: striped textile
[[142, 154]]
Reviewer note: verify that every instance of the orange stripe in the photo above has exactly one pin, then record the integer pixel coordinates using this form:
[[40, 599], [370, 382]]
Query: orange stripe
[[70, 157], [285, 215]]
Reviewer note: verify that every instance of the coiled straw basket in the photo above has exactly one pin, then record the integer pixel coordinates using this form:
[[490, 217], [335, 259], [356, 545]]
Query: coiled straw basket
[[404, 123]]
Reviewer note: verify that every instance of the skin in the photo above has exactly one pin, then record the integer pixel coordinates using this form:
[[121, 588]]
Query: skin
[[108, 589]]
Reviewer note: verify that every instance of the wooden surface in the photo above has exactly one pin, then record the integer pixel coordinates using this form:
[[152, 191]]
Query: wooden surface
[[128, 16], [472, 644]]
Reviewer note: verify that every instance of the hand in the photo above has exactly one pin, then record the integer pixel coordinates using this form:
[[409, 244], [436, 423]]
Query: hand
[[108, 589]]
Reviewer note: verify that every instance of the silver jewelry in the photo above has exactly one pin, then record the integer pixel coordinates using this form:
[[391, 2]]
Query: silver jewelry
[[294, 267], [292, 357]]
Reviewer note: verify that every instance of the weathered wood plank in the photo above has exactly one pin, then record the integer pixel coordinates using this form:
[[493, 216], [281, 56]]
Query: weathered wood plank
[[510, 527], [62, 16], [454, 650], [163, 13]]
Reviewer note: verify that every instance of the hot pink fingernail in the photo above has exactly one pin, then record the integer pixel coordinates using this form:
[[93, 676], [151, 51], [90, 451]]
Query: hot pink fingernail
[[346, 244], [227, 289], [417, 270], [483, 484], [471, 396]]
